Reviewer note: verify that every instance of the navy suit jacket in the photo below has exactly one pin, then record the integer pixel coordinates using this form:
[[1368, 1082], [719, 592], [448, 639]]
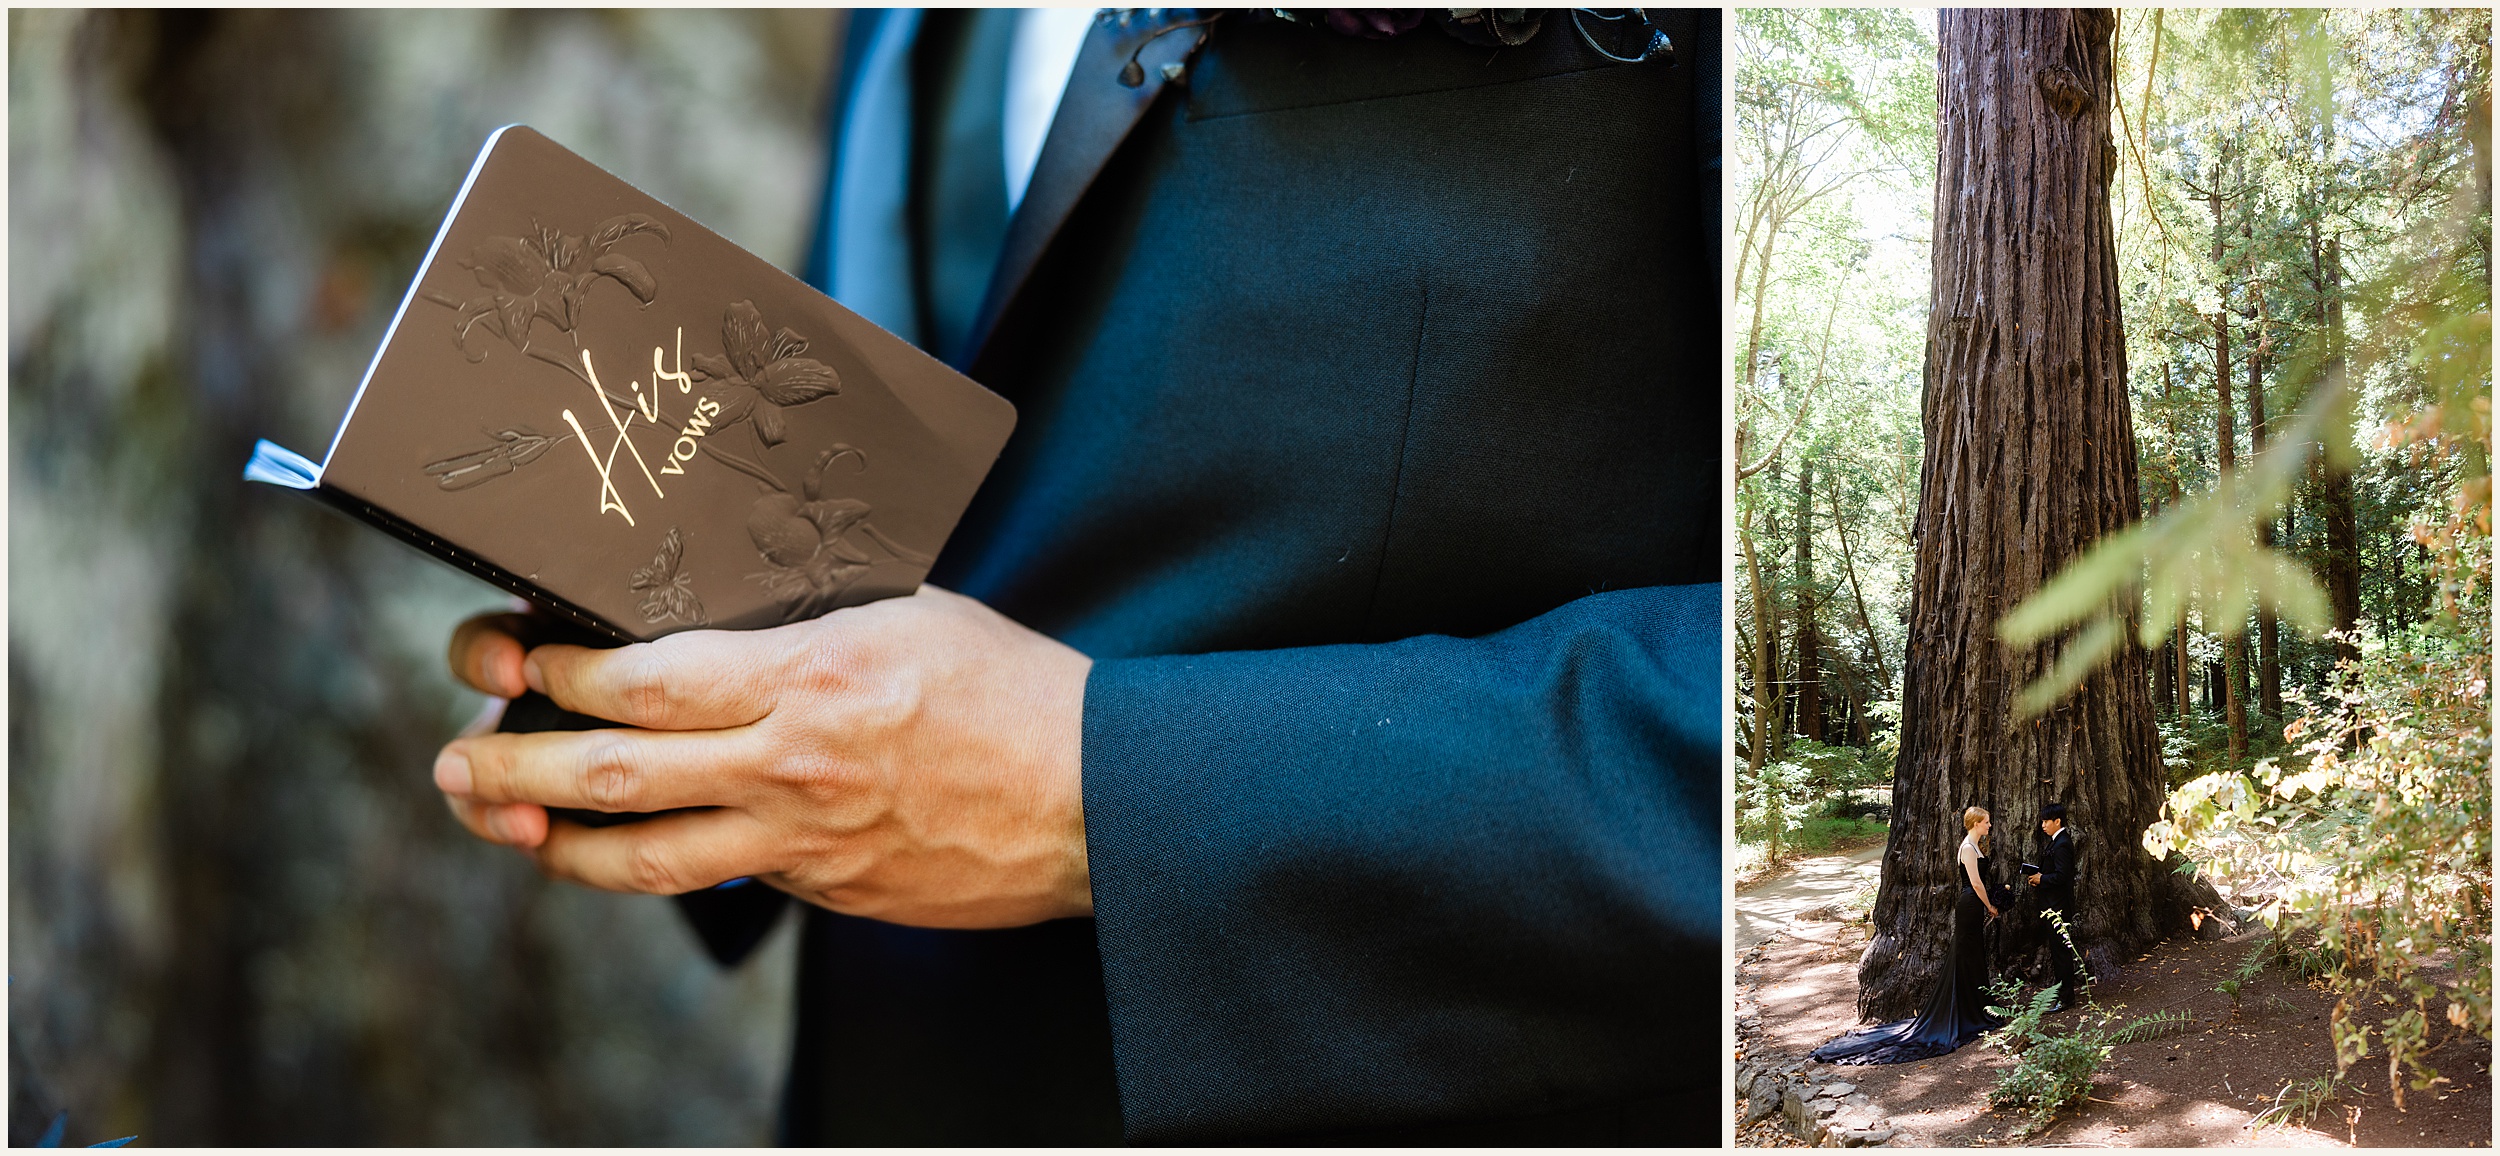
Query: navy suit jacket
[[1369, 444], [2057, 871]]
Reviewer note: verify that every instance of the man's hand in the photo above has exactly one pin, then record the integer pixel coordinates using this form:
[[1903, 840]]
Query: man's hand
[[914, 760], [2035, 879]]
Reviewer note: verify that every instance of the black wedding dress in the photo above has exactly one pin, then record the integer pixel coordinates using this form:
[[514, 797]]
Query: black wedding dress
[[1956, 1012]]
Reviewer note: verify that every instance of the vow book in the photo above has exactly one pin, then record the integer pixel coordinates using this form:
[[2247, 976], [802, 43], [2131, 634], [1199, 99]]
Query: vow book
[[590, 400]]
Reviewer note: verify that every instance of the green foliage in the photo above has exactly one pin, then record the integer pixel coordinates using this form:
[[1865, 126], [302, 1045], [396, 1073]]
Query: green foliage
[[2051, 1073], [1833, 157], [2300, 1101], [1823, 833], [2022, 1016], [1887, 727], [2375, 840], [2066, 937], [2152, 1027], [2250, 967], [2198, 743], [2054, 1072], [1796, 803]]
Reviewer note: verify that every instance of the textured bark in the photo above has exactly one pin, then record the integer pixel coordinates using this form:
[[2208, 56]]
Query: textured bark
[[1809, 639], [2030, 459]]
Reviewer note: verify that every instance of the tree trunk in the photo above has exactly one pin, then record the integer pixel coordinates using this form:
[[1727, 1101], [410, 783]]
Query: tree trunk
[[2177, 653], [1809, 641], [2269, 653], [2030, 459], [1759, 742], [1866, 622], [2234, 639], [2343, 538], [2164, 674]]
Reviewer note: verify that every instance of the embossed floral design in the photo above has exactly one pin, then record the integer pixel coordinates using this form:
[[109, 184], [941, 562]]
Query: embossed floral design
[[808, 563], [546, 277], [514, 447], [667, 592], [762, 373]]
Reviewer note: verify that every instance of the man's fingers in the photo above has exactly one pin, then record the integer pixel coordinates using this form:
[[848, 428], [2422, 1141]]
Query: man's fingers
[[486, 653], [669, 855], [698, 680], [522, 825], [604, 770]]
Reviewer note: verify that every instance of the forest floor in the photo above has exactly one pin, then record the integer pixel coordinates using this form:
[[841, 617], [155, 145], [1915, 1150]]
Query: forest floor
[[2199, 1088], [1754, 869], [1774, 901]]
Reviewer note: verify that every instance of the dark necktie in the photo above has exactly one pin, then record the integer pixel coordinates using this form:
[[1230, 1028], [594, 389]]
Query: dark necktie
[[959, 183]]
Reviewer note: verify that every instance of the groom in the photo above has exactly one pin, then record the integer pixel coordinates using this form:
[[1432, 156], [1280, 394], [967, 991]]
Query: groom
[[2056, 883]]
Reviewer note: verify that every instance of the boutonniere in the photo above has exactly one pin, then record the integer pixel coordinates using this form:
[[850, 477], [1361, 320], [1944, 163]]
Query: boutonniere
[[1621, 34]]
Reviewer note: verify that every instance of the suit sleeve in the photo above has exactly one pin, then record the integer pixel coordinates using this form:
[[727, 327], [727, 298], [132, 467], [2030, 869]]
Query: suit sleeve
[[1430, 878], [2057, 867]]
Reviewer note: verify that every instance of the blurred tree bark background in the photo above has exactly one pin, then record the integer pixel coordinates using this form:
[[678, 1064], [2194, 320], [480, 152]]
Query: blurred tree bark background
[[238, 912]]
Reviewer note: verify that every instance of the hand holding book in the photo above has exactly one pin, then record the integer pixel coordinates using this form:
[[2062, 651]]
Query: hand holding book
[[914, 760], [661, 440]]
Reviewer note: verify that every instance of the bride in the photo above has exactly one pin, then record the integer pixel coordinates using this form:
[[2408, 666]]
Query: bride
[[1956, 1013]]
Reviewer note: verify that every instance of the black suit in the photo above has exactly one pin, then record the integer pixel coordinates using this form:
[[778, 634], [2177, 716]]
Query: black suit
[[2057, 893], [1369, 443]]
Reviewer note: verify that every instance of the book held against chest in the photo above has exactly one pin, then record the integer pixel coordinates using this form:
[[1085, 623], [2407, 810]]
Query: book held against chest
[[592, 401]]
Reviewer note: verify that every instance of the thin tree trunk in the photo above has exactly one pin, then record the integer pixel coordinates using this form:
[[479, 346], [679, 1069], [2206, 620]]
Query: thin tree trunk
[[1761, 284], [1765, 717], [1809, 720], [2178, 652], [2030, 459], [2343, 538], [2269, 655], [1765, 623], [1849, 566], [2234, 641]]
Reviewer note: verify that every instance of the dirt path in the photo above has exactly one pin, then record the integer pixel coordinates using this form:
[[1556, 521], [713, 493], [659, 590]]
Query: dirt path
[[1773, 906], [2200, 1088]]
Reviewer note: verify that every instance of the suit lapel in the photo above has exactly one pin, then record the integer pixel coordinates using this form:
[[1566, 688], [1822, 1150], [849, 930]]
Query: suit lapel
[[1095, 114]]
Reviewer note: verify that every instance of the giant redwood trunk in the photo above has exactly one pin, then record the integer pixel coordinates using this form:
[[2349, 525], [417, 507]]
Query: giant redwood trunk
[[2030, 459]]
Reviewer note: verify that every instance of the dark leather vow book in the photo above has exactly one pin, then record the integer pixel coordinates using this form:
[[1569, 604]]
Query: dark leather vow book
[[592, 401]]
